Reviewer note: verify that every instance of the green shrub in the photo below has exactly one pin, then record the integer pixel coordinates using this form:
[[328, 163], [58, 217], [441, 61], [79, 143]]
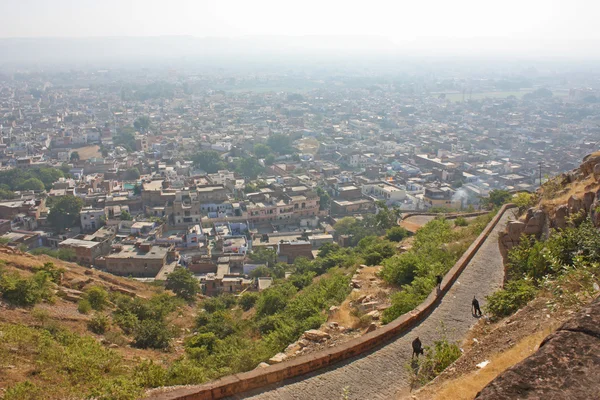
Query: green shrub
[[461, 221], [25, 291], [54, 273], [149, 374], [300, 281], [23, 391], [127, 321], [115, 338], [97, 296], [513, 296], [436, 360], [152, 334], [206, 340], [84, 306], [396, 234], [247, 300], [99, 323], [183, 283]]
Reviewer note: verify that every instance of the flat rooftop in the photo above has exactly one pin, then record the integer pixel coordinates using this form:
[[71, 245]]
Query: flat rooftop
[[129, 251], [79, 243]]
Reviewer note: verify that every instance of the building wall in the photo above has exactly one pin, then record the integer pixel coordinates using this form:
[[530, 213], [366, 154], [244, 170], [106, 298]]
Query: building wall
[[139, 267]]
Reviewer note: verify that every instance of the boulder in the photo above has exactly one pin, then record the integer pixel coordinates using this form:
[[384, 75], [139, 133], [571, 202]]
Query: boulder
[[371, 327], [316, 335], [560, 216], [374, 314], [575, 204], [355, 284], [588, 200], [589, 163], [262, 365], [596, 171], [564, 367], [595, 215], [277, 358], [292, 348], [535, 223], [515, 229]]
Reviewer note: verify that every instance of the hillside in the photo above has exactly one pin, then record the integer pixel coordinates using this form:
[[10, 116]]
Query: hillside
[[49, 346], [553, 271]]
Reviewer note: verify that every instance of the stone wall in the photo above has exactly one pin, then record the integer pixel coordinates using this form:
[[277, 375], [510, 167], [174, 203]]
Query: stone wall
[[239, 383]]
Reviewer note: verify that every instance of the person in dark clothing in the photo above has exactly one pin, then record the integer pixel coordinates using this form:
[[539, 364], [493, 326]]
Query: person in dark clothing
[[417, 347], [475, 308]]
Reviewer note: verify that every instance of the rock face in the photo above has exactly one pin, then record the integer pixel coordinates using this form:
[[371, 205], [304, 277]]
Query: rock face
[[565, 366]]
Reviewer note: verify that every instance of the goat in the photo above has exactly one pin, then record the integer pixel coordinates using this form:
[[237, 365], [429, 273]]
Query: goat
[[417, 347], [475, 307]]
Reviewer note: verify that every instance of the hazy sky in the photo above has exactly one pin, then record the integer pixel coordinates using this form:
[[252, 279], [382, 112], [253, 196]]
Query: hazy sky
[[522, 22]]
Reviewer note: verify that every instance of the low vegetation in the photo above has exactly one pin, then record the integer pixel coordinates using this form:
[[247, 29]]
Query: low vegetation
[[566, 265], [436, 359], [436, 248]]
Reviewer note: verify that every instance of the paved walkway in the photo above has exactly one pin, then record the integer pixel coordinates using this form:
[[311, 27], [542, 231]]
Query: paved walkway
[[381, 374]]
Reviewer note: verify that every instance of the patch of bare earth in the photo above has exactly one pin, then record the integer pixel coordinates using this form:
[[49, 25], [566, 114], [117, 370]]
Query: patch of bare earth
[[360, 312]]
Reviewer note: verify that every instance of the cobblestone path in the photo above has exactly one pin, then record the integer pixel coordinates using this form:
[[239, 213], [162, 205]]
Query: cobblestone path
[[381, 374]]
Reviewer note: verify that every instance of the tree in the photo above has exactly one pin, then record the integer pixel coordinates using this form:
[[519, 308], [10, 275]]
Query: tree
[[74, 156], [210, 161], [261, 150], [131, 174], [264, 256], [499, 197], [32, 184], [270, 159], [386, 217], [64, 212], [249, 167], [324, 198], [396, 234], [137, 190], [125, 138], [125, 216], [183, 283], [142, 124], [281, 144], [260, 271], [346, 226]]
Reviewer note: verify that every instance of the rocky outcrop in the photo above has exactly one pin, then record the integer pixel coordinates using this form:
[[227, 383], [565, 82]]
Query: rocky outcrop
[[565, 366], [588, 166], [512, 234]]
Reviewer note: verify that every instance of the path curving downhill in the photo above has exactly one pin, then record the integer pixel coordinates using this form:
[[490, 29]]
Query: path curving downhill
[[381, 374]]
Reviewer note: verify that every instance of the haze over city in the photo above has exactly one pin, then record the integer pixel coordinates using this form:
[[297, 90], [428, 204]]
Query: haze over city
[[532, 28]]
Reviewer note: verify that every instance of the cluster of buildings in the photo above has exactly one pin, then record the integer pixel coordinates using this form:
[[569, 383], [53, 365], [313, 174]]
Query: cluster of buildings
[[149, 208]]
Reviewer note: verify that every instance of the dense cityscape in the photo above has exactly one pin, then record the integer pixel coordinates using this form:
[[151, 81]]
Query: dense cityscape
[[173, 168]]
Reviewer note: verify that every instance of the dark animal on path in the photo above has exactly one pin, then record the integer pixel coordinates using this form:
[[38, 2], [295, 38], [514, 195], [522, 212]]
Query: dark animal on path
[[475, 307], [417, 347], [438, 280]]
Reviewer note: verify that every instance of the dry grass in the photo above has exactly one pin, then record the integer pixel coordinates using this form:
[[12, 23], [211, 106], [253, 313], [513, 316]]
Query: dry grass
[[87, 152], [575, 188], [467, 386]]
